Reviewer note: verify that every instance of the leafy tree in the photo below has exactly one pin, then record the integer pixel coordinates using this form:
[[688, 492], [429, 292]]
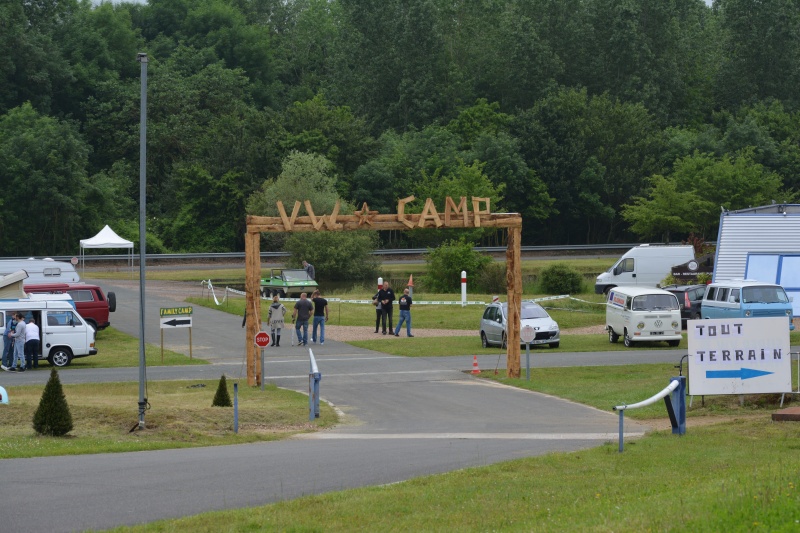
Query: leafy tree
[[690, 198], [445, 263], [53, 417], [336, 255]]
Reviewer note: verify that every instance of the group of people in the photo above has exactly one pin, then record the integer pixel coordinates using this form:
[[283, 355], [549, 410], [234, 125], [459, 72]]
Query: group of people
[[20, 344], [301, 314], [384, 307]]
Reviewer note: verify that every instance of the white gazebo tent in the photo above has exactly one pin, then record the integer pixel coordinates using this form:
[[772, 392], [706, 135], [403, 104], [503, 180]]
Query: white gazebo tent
[[107, 238]]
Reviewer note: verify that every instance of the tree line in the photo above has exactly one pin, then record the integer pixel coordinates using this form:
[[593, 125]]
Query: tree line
[[597, 120]]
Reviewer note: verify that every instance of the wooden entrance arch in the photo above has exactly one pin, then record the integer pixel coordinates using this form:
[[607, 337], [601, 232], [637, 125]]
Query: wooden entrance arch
[[454, 216]]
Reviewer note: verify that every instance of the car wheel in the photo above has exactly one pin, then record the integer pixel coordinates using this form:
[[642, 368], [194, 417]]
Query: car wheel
[[484, 340], [60, 357], [627, 340], [673, 343], [281, 293], [504, 343], [612, 336], [554, 344], [606, 290], [112, 302]]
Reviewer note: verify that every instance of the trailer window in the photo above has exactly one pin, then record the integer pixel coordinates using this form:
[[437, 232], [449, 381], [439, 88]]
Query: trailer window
[[51, 272]]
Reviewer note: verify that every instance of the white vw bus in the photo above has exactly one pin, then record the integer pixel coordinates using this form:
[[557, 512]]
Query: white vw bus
[[643, 314]]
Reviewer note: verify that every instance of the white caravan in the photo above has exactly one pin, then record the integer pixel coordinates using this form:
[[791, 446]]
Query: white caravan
[[41, 270], [643, 266], [64, 333]]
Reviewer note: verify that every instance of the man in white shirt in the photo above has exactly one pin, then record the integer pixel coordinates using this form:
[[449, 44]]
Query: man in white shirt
[[32, 343]]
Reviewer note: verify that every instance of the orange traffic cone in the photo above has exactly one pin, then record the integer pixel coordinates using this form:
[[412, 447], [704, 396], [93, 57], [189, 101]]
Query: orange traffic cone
[[475, 369]]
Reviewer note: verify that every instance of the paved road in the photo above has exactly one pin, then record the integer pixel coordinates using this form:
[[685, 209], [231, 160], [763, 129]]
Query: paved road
[[403, 418]]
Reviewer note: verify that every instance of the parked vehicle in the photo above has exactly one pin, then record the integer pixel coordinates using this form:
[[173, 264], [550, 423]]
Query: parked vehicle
[[643, 314], [287, 282], [90, 300], [743, 298], [494, 324], [643, 266], [41, 270], [64, 333], [689, 298]]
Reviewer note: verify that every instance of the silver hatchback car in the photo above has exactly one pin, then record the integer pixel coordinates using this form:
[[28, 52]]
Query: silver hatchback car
[[494, 324]]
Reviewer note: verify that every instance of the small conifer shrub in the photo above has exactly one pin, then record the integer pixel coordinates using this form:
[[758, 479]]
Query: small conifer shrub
[[52, 417], [222, 398]]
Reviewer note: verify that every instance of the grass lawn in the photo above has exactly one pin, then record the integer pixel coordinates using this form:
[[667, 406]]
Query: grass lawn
[[117, 349], [180, 416]]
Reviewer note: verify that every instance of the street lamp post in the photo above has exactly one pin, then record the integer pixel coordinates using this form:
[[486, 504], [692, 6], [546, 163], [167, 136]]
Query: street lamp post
[[142, 58]]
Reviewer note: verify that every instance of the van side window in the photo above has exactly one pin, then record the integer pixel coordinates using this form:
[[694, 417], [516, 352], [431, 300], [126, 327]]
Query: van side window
[[734, 297], [81, 295], [62, 318], [722, 294], [628, 301], [712, 291], [627, 265], [48, 272]]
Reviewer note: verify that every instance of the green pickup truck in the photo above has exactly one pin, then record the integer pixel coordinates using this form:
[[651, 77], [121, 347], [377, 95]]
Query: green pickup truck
[[287, 282]]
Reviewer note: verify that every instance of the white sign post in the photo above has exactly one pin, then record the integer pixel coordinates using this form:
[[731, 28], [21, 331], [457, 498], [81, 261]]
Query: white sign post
[[173, 318], [526, 335], [739, 356]]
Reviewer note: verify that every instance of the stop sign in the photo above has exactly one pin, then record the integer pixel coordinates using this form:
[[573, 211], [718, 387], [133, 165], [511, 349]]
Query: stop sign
[[262, 339]]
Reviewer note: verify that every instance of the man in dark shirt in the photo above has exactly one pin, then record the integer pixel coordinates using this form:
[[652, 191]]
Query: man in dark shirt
[[386, 298], [320, 317], [405, 314], [302, 310]]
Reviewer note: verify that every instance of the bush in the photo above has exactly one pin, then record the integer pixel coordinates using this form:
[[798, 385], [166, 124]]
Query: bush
[[222, 398], [52, 417], [446, 262], [336, 255], [492, 278], [560, 278]]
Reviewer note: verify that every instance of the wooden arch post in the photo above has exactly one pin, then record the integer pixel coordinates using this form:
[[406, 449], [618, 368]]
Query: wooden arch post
[[454, 216]]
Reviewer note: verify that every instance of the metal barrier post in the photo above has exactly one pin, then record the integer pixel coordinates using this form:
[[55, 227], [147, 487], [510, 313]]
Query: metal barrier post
[[236, 408], [673, 384], [314, 377], [621, 429]]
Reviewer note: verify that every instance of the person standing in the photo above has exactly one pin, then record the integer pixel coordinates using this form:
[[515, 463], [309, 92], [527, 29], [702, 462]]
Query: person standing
[[386, 297], [275, 318], [19, 345], [8, 342], [405, 313], [320, 317], [309, 268], [32, 344], [302, 311], [378, 311]]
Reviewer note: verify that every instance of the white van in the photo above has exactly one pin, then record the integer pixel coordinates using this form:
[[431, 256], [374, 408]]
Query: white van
[[643, 314], [643, 266], [41, 270], [64, 333]]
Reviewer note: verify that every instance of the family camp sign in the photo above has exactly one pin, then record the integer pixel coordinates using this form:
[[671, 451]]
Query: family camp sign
[[462, 214]]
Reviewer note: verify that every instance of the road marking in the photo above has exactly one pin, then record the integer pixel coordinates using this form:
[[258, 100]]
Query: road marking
[[465, 436], [458, 373]]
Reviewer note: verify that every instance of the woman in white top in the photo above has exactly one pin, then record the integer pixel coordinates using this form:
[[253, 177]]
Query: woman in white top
[[32, 344]]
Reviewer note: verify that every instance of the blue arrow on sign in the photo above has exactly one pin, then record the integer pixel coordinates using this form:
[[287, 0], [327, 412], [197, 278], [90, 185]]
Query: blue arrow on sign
[[742, 373]]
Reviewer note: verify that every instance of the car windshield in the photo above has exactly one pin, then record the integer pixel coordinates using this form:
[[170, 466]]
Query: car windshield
[[533, 312], [771, 294], [653, 302], [295, 275]]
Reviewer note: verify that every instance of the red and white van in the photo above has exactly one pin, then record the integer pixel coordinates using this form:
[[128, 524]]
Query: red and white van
[[90, 301]]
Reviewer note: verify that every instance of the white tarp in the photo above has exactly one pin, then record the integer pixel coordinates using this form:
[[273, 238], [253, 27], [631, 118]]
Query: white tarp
[[107, 238]]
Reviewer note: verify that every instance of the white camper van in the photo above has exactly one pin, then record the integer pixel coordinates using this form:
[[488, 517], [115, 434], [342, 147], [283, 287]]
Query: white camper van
[[41, 270], [64, 333], [643, 266], [643, 314]]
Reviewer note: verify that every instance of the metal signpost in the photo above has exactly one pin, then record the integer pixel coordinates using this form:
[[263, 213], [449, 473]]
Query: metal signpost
[[262, 341], [176, 317], [526, 335]]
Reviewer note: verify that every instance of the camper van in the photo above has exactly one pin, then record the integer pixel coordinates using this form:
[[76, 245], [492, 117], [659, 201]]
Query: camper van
[[64, 333], [41, 270], [743, 298], [643, 266], [90, 300], [643, 314]]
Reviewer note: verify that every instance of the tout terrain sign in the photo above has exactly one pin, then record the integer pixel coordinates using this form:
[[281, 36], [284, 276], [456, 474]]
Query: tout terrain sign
[[735, 356]]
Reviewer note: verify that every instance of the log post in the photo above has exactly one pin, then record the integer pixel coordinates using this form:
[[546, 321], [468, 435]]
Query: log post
[[252, 245], [514, 287]]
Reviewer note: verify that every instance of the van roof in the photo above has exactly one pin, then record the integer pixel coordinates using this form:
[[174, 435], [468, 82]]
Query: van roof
[[638, 291], [32, 305], [739, 283]]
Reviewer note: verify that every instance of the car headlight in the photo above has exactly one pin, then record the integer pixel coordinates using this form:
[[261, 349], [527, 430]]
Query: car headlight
[[788, 312], [640, 325], [554, 327], [674, 324], [747, 313]]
